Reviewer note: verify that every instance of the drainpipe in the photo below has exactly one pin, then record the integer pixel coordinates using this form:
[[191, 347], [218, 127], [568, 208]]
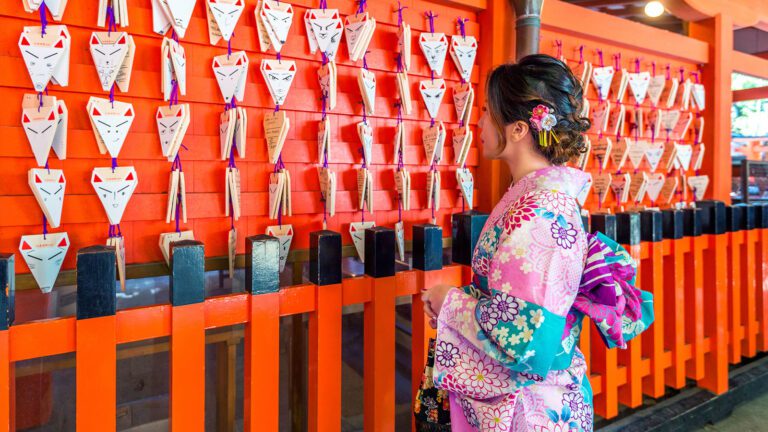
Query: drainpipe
[[527, 26]]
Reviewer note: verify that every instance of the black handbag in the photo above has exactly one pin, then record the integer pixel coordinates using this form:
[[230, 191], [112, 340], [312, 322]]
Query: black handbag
[[431, 407]]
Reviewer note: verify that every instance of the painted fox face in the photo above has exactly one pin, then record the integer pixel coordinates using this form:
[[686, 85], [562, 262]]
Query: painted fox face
[[41, 59], [40, 128], [432, 92], [226, 14], [279, 76], [44, 255], [108, 54], [327, 28], [434, 46], [48, 187], [230, 75], [464, 52], [168, 123], [114, 189], [181, 10], [279, 17], [113, 125]]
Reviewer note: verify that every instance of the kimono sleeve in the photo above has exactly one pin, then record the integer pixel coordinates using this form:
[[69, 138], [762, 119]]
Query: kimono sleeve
[[532, 280]]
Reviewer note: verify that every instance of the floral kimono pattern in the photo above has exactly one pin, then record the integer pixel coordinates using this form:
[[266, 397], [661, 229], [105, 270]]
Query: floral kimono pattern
[[507, 345]]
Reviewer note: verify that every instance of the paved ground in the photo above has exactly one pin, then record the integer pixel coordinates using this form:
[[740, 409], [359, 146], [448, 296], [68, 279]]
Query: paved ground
[[749, 417]]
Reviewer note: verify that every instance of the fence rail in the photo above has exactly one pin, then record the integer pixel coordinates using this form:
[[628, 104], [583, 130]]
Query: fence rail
[[707, 269]]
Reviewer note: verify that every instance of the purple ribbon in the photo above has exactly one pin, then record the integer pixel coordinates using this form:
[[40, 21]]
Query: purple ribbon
[[682, 74], [400, 9], [43, 18], [174, 36], [399, 60], [463, 29], [114, 164], [111, 25], [431, 18], [174, 98], [669, 75], [637, 65], [600, 55], [581, 54], [617, 62], [112, 95], [653, 68], [365, 62], [323, 4], [45, 227], [114, 231], [361, 6]]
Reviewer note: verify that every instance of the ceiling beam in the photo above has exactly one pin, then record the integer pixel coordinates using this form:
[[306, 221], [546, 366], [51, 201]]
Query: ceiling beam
[[750, 94], [600, 3]]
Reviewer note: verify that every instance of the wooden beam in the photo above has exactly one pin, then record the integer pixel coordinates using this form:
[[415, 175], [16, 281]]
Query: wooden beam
[[750, 65], [750, 94], [575, 20]]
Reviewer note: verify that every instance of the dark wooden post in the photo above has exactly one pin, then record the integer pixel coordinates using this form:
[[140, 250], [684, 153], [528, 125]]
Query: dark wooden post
[[527, 26]]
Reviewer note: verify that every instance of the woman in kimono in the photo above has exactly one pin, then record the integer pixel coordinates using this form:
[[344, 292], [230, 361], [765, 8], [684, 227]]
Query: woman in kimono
[[507, 345]]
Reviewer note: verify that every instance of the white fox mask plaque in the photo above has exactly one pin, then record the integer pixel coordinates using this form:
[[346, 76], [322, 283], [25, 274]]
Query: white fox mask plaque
[[326, 29], [638, 83], [172, 123], [225, 13], [40, 127], [46, 57], [44, 255], [111, 122], [230, 72], [463, 52], [114, 189], [432, 92], [48, 186], [603, 77], [279, 76], [435, 47], [109, 51], [180, 14], [277, 18], [284, 234], [357, 232]]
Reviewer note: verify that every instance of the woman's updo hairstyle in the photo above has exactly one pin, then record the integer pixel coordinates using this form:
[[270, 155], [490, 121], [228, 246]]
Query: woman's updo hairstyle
[[514, 90]]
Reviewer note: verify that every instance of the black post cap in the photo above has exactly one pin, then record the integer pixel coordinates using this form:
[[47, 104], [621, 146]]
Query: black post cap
[[748, 216], [380, 252], [761, 214], [712, 216], [466, 228], [651, 226], [325, 257], [427, 247], [262, 264], [692, 225], [187, 272], [7, 290], [96, 282], [604, 223], [585, 222], [628, 228], [672, 224], [733, 219]]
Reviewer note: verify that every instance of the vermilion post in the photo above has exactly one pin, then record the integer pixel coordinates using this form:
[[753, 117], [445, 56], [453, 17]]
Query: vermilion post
[[748, 281], [96, 339], [379, 331], [735, 242], [604, 361], [694, 292], [675, 248], [7, 278], [761, 266], [653, 281], [325, 332], [715, 297], [262, 334], [630, 234], [187, 354]]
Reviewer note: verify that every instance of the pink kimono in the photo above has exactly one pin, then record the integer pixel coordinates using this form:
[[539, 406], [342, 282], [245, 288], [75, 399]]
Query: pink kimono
[[507, 345]]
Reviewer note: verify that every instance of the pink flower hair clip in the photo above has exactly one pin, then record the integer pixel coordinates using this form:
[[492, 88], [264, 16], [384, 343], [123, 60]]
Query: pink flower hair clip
[[543, 120]]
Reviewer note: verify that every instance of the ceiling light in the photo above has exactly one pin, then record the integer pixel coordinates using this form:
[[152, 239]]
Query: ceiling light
[[654, 8]]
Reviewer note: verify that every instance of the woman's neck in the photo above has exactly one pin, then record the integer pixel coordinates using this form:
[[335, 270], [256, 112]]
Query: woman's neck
[[520, 167]]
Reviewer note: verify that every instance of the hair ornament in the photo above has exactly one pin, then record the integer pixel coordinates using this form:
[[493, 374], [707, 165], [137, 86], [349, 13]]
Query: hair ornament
[[543, 120]]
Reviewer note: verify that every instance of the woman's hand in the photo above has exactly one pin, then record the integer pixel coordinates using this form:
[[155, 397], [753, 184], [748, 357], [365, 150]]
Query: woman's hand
[[433, 299]]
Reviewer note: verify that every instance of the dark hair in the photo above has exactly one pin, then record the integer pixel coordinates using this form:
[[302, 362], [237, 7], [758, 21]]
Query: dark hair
[[515, 89]]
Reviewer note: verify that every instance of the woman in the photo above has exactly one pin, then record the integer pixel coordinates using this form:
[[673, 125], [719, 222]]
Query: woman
[[507, 345]]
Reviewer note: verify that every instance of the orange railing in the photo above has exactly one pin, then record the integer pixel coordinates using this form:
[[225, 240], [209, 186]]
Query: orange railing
[[711, 303]]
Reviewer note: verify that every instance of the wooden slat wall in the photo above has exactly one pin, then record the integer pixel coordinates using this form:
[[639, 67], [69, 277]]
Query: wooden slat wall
[[83, 217]]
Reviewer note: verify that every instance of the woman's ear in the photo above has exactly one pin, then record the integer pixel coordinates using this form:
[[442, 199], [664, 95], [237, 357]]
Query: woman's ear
[[516, 131]]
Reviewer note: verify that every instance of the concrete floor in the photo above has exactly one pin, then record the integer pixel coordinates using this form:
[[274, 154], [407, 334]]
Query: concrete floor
[[748, 417]]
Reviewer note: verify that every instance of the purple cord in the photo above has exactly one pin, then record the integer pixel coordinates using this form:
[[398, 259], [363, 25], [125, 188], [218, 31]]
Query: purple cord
[[114, 164], [400, 9], [323, 4], [431, 18], [361, 7], [43, 18], [45, 227], [174, 99], [600, 55], [463, 31], [112, 95], [581, 54], [111, 25]]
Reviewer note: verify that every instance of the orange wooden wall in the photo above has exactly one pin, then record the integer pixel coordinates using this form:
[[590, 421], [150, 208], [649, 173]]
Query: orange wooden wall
[[575, 27], [83, 217]]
